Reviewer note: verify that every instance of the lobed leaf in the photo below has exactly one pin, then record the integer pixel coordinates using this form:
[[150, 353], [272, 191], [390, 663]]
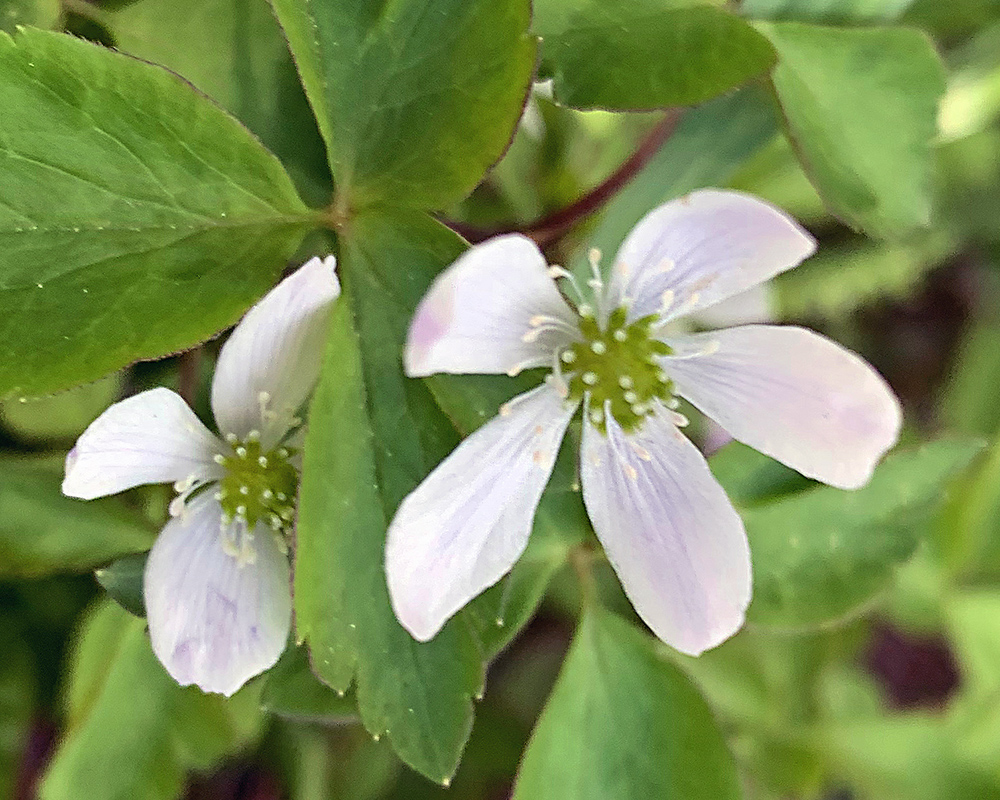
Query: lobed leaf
[[622, 723], [415, 98], [841, 91], [170, 219], [133, 732], [821, 554], [646, 54]]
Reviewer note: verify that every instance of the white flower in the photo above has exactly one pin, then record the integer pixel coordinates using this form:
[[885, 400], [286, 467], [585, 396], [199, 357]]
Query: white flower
[[216, 584], [667, 527]]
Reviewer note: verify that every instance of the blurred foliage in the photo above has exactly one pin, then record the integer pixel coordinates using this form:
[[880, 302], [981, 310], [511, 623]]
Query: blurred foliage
[[870, 672]]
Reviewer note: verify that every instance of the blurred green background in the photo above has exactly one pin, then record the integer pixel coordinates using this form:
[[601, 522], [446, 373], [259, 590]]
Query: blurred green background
[[899, 702]]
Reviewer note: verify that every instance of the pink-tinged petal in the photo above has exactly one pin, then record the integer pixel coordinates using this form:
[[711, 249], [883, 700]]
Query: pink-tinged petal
[[495, 310], [464, 527], [669, 531], [792, 394], [152, 437], [755, 305], [215, 621], [696, 251], [273, 356]]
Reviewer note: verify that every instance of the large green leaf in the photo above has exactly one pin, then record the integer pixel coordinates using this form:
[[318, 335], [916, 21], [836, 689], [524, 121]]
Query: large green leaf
[[132, 731], [235, 52], [37, 13], [622, 724], [645, 54], [415, 98], [294, 692], [136, 217], [841, 91], [826, 10], [373, 435], [43, 532], [821, 554], [363, 452]]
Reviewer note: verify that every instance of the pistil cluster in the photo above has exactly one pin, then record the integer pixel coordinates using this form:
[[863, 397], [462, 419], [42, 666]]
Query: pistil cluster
[[258, 485], [617, 365]]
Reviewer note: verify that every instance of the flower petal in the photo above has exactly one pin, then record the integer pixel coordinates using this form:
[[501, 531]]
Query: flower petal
[[792, 394], [152, 437], [696, 251], [213, 621], [276, 349], [669, 531], [755, 305], [464, 527], [495, 310]]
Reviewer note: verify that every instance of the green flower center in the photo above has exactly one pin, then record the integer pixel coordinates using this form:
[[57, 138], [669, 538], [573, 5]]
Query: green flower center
[[258, 486], [618, 366]]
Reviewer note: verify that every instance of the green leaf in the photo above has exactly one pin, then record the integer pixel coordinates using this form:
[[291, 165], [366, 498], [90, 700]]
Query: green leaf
[[122, 580], [415, 98], [294, 692], [622, 724], [235, 52], [826, 10], [646, 54], [44, 532], [63, 416], [373, 436], [840, 91], [750, 477], [136, 217], [132, 731], [365, 449], [37, 13], [710, 143], [821, 554]]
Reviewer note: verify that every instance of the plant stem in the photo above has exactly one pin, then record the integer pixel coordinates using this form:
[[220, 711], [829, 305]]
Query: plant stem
[[552, 227], [188, 369]]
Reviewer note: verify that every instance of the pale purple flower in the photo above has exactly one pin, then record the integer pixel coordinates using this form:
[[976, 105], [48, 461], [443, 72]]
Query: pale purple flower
[[668, 529], [217, 592]]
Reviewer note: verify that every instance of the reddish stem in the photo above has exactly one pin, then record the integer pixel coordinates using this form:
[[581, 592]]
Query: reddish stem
[[553, 226]]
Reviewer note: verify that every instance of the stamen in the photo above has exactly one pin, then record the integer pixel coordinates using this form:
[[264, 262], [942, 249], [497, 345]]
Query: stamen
[[620, 335], [625, 382], [218, 458], [568, 356], [560, 272], [241, 452], [262, 461], [666, 300], [599, 347], [597, 416], [679, 419], [232, 438], [589, 378], [253, 436]]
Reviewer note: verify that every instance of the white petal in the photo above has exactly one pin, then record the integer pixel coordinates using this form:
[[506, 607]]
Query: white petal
[[276, 349], [669, 531], [794, 395], [464, 527], [152, 437], [495, 310], [755, 305], [213, 621], [696, 251]]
